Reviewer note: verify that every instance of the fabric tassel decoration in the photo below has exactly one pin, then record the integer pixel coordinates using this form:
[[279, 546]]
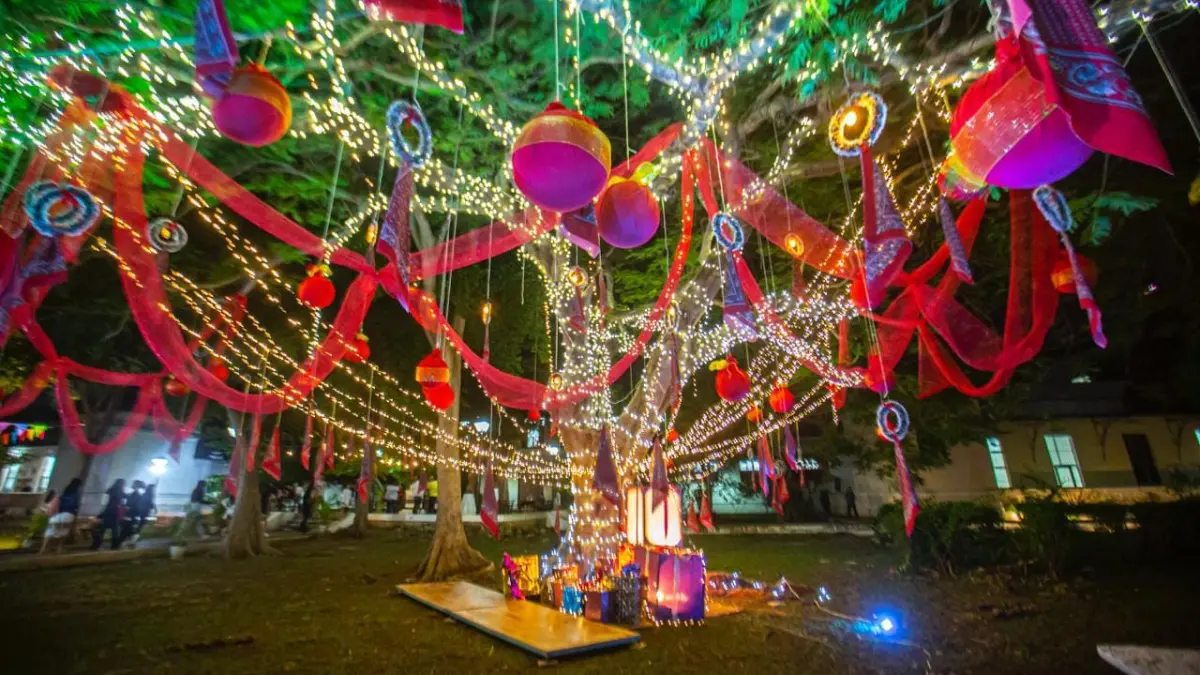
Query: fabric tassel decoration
[[235, 467], [693, 520], [604, 476], [306, 450], [660, 486], [843, 359], [489, 513], [737, 314], [766, 465], [779, 494], [954, 243], [1053, 205], [706, 516], [329, 445], [789, 446], [891, 420], [364, 472], [799, 286], [215, 51], [395, 233], [579, 228], [886, 246], [252, 448], [271, 464], [575, 317]]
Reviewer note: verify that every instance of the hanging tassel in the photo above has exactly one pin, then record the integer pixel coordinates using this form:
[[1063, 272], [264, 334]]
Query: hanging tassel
[[575, 317], [364, 472], [252, 448], [766, 465], [489, 514], [271, 464], [693, 520], [737, 314], [660, 486], [799, 286], [954, 244], [885, 243], [557, 522], [604, 476], [307, 448], [891, 419], [789, 445], [780, 495], [839, 395], [706, 516], [1053, 205], [330, 447]]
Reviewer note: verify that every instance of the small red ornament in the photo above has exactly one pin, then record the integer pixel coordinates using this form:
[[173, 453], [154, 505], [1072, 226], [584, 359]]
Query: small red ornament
[[433, 369], [439, 395], [535, 416], [254, 109], [858, 294], [672, 435], [781, 399], [219, 370], [733, 384], [359, 349], [754, 414], [174, 387], [1063, 277], [317, 291]]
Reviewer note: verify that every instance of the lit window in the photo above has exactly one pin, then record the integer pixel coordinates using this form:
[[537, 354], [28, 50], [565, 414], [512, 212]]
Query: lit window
[[999, 468], [47, 471], [532, 438], [1063, 459]]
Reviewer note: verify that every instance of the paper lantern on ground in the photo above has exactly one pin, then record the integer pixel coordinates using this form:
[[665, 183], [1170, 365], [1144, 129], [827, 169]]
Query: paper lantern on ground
[[174, 387], [561, 159], [317, 291], [647, 524], [1005, 133], [781, 399], [255, 109], [359, 349], [1063, 277], [627, 214], [733, 384]]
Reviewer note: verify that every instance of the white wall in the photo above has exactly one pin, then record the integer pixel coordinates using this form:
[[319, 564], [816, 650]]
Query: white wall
[[132, 462]]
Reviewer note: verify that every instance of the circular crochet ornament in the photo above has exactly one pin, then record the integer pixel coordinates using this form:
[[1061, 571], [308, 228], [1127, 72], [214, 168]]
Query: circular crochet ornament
[[729, 232], [254, 109], [402, 113], [561, 159], [60, 210], [891, 421], [166, 235], [858, 122]]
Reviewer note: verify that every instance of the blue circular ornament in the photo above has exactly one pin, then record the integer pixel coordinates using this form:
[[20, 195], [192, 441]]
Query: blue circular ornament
[[892, 420], [729, 232], [399, 114], [60, 210]]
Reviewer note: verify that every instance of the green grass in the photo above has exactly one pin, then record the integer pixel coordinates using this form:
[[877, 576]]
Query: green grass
[[325, 606]]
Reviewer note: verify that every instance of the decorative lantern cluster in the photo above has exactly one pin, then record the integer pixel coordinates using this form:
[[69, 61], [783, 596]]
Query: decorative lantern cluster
[[433, 374], [561, 159], [651, 519], [317, 291]]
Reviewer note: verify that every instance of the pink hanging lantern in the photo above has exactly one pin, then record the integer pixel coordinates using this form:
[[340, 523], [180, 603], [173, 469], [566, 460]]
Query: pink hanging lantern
[[561, 159], [254, 109], [627, 214]]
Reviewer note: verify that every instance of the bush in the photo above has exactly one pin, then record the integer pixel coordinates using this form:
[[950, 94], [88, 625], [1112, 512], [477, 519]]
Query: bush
[[1168, 529], [1046, 536], [947, 536]]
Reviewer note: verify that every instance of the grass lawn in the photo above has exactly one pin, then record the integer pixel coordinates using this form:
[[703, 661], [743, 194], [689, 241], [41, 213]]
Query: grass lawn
[[324, 606]]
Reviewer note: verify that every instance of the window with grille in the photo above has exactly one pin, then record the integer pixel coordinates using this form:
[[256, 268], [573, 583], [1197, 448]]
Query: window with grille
[[999, 468], [1062, 457]]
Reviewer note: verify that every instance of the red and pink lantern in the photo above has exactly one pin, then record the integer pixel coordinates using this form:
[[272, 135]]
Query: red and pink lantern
[[561, 159], [254, 108]]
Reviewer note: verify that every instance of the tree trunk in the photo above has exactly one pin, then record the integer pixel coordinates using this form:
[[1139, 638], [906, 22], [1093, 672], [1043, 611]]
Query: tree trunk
[[450, 554], [246, 537], [99, 414]]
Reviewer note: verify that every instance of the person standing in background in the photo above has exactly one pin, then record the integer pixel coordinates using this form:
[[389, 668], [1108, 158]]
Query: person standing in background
[[111, 516], [431, 496], [133, 507], [391, 495], [306, 507], [146, 508]]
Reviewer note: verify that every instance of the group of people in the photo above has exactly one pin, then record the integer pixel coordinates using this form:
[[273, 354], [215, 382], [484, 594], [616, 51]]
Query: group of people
[[124, 513]]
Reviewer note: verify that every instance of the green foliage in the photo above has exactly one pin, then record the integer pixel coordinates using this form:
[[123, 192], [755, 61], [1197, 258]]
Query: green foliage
[[947, 536]]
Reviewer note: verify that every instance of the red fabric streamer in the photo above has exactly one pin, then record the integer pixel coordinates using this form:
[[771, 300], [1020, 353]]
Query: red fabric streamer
[[252, 446], [706, 516], [330, 445], [306, 450], [364, 472], [29, 391], [693, 520], [173, 431], [489, 513], [272, 464], [72, 427]]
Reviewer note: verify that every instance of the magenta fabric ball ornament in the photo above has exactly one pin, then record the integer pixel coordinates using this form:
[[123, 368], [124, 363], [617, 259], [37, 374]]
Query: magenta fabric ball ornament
[[561, 159], [628, 214], [255, 109], [1005, 133]]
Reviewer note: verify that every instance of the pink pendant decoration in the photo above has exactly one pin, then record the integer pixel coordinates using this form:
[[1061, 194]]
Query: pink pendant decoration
[[489, 513], [627, 214], [561, 159], [271, 464]]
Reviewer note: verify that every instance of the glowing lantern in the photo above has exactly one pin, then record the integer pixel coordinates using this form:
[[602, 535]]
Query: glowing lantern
[[1006, 133], [439, 395], [255, 109], [433, 370], [794, 245], [754, 414], [647, 524], [781, 399], [672, 435], [561, 159], [556, 382], [627, 214], [219, 370], [1063, 277], [174, 387], [359, 349], [535, 415], [577, 277], [733, 384], [317, 291]]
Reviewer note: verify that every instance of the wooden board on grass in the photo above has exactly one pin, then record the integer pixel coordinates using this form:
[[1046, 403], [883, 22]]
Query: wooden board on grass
[[537, 629]]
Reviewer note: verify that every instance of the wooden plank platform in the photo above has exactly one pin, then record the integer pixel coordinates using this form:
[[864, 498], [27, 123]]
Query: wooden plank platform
[[537, 629]]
